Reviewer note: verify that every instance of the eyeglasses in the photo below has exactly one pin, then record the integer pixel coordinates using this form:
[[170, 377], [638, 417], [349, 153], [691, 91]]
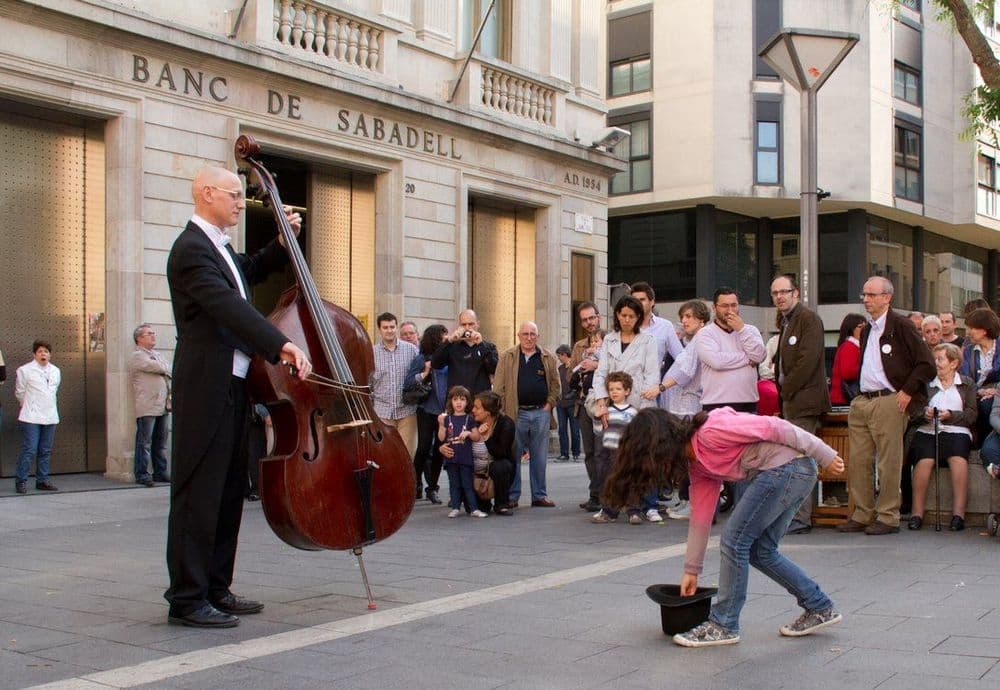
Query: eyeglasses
[[873, 295], [528, 335], [779, 293], [234, 194]]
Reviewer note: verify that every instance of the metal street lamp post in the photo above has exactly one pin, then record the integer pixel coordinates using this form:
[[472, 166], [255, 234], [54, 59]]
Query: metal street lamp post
[[806, 58]]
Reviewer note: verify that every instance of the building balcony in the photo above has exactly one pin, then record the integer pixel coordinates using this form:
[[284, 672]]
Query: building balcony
[[316, 31], [502, 90]]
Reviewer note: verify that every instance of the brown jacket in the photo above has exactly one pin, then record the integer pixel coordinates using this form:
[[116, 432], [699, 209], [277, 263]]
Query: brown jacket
[[505, 380], [908, 362], [800, 360], [150, 376]]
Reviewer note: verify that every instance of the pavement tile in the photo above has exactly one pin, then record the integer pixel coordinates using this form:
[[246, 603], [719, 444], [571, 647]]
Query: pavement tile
[[912, 681], [890, 660], [19, 670], [99, 654], [18, 637], [964, 645]]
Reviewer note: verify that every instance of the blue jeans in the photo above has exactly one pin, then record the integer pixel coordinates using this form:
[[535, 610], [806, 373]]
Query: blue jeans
[[751, 536], [37, 440], [460, 486], [532, 435], [150, 443], [569, 431], [990, 452]]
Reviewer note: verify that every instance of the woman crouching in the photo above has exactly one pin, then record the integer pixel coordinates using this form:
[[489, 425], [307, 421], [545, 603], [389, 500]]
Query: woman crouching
[[777, 460]]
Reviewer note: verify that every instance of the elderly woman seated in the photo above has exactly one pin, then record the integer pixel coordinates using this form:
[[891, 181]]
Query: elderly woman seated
[[953, 396]]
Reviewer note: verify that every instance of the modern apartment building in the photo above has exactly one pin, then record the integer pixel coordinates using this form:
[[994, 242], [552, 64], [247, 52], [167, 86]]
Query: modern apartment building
[[429, 183], [711, 196]]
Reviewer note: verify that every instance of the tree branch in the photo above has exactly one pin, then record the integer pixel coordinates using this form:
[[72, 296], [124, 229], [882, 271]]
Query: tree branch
[[979, 47]]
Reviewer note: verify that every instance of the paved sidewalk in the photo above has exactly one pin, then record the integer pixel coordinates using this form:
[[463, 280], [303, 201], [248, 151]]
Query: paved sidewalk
[[540, 600]]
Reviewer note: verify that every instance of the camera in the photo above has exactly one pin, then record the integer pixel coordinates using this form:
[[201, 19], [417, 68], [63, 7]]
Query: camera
[[467, 334]]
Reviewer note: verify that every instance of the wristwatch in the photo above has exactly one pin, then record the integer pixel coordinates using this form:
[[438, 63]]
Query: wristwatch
[[662, 388]]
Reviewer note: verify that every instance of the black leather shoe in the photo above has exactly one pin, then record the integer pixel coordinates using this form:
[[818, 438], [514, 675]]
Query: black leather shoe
[[238, 606], [915, 523], [957, 524], [21, 487], [145, 482], [163, 478], [45, 486], [253, 496], [205, 617], [591, 506], [432, 496]]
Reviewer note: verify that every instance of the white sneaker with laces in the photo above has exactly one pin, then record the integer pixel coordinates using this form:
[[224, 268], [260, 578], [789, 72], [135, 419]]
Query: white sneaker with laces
[[478, 513], [454, 513], [681, 512], [653, 515]]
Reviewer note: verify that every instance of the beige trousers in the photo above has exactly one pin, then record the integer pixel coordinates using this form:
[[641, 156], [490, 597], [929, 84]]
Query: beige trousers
[[407, 428], [875, 429]]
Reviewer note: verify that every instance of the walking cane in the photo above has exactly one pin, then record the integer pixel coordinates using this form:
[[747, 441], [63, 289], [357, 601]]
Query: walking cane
[[937, 476]]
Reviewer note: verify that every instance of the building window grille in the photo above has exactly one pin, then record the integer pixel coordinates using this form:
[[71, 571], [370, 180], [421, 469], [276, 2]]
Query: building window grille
[[638, 151], [906, 83], [906, 173]]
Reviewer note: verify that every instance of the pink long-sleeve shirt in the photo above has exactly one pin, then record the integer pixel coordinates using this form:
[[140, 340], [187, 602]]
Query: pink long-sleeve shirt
[[726, 447]]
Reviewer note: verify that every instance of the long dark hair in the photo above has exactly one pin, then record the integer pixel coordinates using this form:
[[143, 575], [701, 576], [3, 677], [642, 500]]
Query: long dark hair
[[848, 325], [432, 338], [651, 454]]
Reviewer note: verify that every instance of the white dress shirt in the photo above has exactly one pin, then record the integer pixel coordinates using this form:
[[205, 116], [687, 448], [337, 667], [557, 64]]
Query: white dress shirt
[[219, 239], [36, 389], [873, 376]]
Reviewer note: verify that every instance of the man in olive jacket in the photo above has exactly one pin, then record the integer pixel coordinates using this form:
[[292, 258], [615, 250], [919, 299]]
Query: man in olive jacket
[[799, 372], [527, 380], [896, 365]]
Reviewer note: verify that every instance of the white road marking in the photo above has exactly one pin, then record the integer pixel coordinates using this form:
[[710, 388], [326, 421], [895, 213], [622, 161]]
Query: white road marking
[[223, 655]]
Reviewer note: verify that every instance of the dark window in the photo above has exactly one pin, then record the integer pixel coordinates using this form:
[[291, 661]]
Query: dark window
[[629, 67], [832, 254], [736, 254], [986, 171], [581, 288], [659, 248], [906, 83], [906, 173], [890, 254], [767, 142], [766, 23], [986, 192], [637, 150]]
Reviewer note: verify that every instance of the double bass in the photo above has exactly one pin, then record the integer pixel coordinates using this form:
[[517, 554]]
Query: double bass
[[339, 477]]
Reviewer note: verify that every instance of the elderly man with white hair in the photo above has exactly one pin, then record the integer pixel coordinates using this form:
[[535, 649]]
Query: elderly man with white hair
[[527, 380]]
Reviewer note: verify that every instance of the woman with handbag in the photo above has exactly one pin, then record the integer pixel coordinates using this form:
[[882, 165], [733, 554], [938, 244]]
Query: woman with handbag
[[496, 432], [427, 460]]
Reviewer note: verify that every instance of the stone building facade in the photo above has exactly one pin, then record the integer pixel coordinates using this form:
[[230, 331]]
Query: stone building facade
[[427, 184]]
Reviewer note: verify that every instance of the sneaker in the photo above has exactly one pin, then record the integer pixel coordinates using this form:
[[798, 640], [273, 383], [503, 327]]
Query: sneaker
[[811, 621], [601, 518], [681, 512], [671, 502], [454, 513], [21, 487], [708, 634], [635, 519], [653, 515], [478, 513]]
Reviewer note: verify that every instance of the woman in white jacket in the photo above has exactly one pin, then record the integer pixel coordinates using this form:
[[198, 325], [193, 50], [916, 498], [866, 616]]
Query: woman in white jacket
[[35, 389], [636, 354]]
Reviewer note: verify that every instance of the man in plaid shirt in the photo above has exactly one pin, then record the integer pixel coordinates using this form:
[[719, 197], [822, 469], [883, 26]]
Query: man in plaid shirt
[[397, 362]]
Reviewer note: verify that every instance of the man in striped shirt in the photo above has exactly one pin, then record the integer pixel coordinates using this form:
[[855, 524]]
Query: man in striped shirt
[[397, 362]]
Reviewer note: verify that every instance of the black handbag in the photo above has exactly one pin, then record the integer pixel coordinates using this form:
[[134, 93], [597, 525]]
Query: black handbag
[[850, 389], [417, 393]]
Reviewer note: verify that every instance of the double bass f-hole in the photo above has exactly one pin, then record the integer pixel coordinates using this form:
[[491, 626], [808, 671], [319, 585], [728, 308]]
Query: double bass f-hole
[[314, 422]]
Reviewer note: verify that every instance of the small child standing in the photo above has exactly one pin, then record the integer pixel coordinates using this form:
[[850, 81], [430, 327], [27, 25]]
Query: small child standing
[[454, 429], [620, 413]]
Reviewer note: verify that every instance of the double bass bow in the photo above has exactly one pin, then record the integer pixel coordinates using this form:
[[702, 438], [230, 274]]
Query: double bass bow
[[339, 477]]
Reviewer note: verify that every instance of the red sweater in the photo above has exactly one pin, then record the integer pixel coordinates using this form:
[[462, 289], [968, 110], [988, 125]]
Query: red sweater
[[846, 367]]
